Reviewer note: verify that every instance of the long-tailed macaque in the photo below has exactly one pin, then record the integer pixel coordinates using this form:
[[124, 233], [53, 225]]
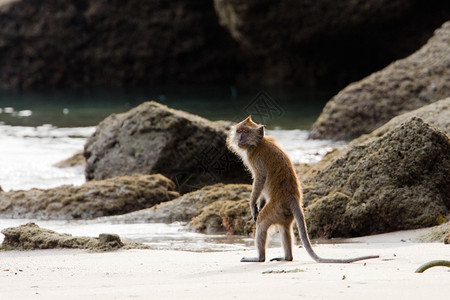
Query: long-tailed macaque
[[275, 188]]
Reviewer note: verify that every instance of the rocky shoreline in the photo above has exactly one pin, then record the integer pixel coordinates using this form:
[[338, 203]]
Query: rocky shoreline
[[396, 179], [157, 164]]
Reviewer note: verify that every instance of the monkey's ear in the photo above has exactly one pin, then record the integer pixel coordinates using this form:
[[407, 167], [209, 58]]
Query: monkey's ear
[[261, 131]]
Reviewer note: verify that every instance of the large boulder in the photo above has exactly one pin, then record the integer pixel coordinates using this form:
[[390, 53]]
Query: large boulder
[[188, 206], [323, 42], [436, 115], [405, 85], [75, 44], [398, 181], [153, 138], [91, 200]]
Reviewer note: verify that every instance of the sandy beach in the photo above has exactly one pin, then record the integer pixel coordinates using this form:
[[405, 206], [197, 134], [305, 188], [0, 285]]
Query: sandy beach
[[164, 274]]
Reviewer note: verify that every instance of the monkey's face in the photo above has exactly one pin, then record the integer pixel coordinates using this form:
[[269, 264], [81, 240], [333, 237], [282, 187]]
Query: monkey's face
[[247, 133]]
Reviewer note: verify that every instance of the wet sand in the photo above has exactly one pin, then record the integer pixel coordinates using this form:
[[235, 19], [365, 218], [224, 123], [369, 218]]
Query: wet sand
[[164, 274]]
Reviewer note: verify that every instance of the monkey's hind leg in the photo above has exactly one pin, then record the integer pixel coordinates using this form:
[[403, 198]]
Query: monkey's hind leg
[[285, 231], [260, 242]]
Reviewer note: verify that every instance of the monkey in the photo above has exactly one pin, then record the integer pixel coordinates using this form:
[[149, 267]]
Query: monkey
[[276, 194]]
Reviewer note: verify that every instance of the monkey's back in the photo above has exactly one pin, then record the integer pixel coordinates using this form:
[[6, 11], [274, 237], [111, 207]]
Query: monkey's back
[[281, 178]]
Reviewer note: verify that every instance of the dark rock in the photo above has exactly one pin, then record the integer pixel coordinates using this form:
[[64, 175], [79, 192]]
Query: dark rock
[[399, 181], [117, 43], [93, 199], [30, 237], [405, 85], [184, 208], [153, 138], [323, 42]]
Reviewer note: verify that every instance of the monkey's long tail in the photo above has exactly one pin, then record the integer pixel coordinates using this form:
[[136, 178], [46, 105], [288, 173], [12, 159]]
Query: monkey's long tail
[[299, 217]]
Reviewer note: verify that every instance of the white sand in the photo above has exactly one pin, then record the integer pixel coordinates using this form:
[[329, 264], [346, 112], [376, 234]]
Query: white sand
[[158, 274]]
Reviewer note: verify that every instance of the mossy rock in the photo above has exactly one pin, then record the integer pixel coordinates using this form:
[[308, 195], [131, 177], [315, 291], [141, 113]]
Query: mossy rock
[[399, 181], [233, 217], [93, 199], [190, 205], [30, 237]]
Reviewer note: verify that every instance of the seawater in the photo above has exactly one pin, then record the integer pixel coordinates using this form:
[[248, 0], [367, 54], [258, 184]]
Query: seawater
[[36, 135]]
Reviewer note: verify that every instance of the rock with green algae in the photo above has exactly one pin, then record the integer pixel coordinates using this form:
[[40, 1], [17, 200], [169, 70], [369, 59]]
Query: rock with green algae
[[30, 236], [190, 205], [234, 217], [399, 181], [93, 199]]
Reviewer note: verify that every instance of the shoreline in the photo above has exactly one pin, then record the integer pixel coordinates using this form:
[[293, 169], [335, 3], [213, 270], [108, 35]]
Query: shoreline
[[167, 274]]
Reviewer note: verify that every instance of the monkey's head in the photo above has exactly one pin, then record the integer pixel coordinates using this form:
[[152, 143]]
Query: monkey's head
[[245, 134]]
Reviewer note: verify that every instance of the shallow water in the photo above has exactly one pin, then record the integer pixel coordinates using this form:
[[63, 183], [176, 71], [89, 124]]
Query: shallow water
[[156, 235], [30, 146]]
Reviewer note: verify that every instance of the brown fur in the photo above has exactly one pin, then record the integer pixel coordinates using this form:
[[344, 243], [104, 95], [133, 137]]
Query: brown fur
[[275, 187]]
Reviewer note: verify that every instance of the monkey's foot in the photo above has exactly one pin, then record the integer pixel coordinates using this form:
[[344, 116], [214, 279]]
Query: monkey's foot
[[252, 259], [281, 259]]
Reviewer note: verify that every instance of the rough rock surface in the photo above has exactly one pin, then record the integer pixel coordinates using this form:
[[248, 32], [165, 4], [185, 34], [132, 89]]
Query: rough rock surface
[[436, 115], [439, 233], [184, 208], [79, 43], [117, 43], [407, 84], [234, 217], [153, 138], [399, 181], [93, 199], [317, 42], [30, 236]]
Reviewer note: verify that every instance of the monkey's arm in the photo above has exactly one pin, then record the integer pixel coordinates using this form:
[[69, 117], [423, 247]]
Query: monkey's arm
[[258, 185]]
